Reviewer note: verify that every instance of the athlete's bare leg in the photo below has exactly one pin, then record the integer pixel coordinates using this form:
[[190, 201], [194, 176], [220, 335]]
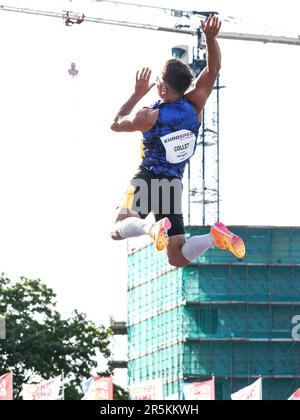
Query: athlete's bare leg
[[174, 251], [182, 252]]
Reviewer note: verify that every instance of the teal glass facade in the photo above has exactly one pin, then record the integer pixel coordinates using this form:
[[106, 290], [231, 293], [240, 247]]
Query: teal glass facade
[[218, 316]]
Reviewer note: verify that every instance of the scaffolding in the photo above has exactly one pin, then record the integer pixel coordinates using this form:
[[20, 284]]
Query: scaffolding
[[203, 174], [218, 316]]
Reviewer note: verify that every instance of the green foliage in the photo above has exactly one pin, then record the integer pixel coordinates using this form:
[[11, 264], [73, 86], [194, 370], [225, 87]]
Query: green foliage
[[120, 393], [39, 342]]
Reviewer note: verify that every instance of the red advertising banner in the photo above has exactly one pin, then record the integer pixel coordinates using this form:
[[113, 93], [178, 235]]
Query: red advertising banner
[[202, 391], [6, 387]]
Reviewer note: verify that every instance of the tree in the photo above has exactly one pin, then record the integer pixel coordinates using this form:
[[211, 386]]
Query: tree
[[39, 342], [120, 393]]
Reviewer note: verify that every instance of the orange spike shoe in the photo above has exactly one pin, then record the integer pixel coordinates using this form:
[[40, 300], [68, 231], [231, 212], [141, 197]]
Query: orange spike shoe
[[224, 239], [159, 234]]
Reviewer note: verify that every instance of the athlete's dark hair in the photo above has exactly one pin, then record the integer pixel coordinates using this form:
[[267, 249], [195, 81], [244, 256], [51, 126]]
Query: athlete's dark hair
[[177, 75]]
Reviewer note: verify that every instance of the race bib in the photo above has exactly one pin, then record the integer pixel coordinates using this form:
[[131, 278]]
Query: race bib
[[179, 146]]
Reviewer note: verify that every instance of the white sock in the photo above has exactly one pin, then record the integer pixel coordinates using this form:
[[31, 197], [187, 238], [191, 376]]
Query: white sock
[[197, 246], [132, 227]]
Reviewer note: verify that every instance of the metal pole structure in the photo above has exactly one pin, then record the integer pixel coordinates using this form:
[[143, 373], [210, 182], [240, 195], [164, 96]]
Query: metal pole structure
[[189, 193], [260, 38], [218, 147], [180, 30], [203, 168], [63, 384]]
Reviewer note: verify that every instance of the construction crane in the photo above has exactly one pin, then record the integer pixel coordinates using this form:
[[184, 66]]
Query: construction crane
[[203, 172], [155, 18]]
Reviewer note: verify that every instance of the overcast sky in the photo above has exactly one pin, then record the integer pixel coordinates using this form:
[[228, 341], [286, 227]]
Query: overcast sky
[[63, 172]]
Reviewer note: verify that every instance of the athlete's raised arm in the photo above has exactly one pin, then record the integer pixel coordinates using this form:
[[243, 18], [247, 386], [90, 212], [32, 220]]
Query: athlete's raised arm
[[143, 120], [206, 81]]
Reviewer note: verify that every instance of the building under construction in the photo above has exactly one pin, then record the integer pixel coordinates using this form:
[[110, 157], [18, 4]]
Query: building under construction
[[218, 316]]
